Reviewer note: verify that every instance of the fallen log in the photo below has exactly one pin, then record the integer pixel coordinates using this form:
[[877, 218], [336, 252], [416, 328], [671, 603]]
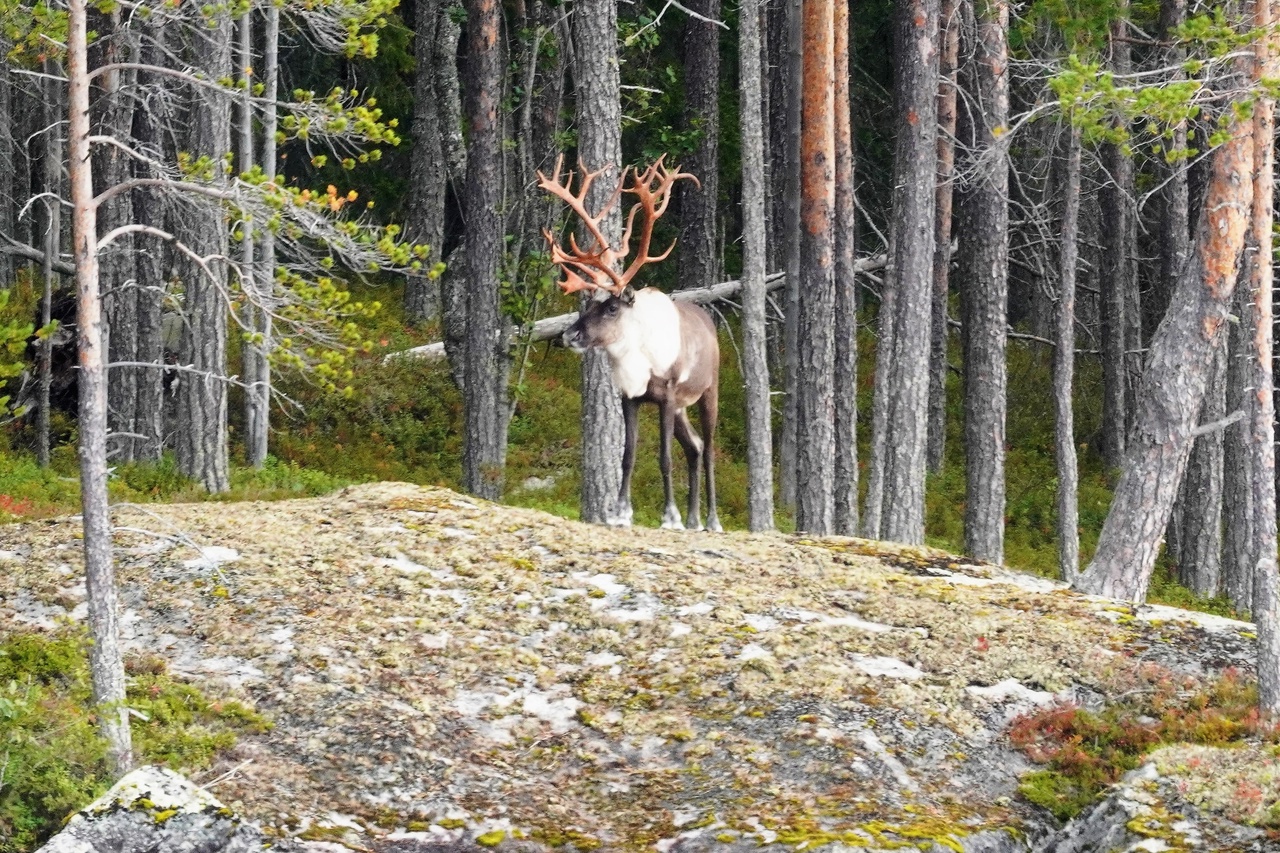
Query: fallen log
[[553, 327]]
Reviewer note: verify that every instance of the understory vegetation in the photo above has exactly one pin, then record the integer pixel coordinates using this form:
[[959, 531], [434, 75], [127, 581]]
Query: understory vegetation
[[1083, 751], [403, 421], [52, 760]]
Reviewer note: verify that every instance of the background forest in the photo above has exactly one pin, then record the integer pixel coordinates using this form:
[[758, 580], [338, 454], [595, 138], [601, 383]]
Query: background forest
[[926, 205]]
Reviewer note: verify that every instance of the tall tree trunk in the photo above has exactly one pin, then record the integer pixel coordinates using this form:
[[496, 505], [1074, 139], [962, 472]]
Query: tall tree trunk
[[485, 392], [948, 60], [985, 294], [52, 168], [202, 401], [264, 269], [906, 378], [149, 208], [697, 247], [1175, 230], [113, 110], [105, 661], [253, 359], [428, 172], [1200, 551], [1238, 559], [1261, 411], [846, 307], [599, 119], [8, 169], [1173, 386], [1064, 371], [788, 448], [453, 283], [815, 417], [755, 367], [1117, 271]]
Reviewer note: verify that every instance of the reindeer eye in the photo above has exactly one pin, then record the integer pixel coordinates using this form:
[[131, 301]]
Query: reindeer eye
[[613, 308]]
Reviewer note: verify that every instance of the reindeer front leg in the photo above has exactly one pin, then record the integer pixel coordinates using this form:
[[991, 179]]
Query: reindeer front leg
[[671, 516], [620, 515]]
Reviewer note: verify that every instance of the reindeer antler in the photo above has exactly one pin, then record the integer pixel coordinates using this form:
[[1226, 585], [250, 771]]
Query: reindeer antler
[[652, 201], [599, 264]]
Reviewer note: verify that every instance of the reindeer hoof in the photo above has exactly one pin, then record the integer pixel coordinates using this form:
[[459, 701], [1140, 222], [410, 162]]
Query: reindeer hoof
[[671, 519], [713, 525], [619, 516]]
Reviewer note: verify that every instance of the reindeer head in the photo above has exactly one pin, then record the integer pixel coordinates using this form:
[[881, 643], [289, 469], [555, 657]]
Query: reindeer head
[[604, 321]]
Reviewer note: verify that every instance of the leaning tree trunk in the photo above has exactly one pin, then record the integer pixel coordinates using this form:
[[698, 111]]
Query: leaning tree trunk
[[697, 248], [755, 367], [1064, 370], [1175, 230], [815, 414], [428, 174], [1172, 388], [985, 293], [485, 391], [202, 401], [906, 379], [599, 113], [105, 661], [1261, 412], [8, 170], [846, 305], [948, 59]]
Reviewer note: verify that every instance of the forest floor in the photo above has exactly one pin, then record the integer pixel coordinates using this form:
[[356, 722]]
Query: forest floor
[[439, 667]]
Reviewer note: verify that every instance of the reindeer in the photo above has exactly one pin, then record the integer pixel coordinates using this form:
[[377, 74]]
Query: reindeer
[[660, 351]]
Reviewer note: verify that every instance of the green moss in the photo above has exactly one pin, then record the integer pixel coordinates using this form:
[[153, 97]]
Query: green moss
[[451, 823], [491, 839], [56, 763]]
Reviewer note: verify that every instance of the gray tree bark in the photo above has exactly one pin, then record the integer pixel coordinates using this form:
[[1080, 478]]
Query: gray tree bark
[[697, 250], [948, 62], [485, 392], [1238, 559], [787, 448], [52, 174], [264, 268], [1117, 272], [1200, 550], [1064, 370], [152, 270], [984, 265], [105, 661], [429, 175], [846, 306], [202, 396], [599, 118], [815, 415], [1172, 389], [113, 116], [253, 359], [755, 367], [911, 255]]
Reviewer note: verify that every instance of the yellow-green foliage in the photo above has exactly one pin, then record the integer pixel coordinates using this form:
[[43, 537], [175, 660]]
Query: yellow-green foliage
[[52, 761]]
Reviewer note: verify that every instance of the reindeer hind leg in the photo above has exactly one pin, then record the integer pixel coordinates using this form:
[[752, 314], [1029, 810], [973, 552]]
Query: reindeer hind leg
[[692, 446]]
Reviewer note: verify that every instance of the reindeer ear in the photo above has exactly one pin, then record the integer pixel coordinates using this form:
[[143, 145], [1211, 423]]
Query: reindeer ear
[[628, 296]]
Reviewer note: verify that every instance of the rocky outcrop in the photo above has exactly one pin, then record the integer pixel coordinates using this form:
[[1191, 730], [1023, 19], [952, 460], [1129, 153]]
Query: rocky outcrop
[[443, 674], [153, 809]]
